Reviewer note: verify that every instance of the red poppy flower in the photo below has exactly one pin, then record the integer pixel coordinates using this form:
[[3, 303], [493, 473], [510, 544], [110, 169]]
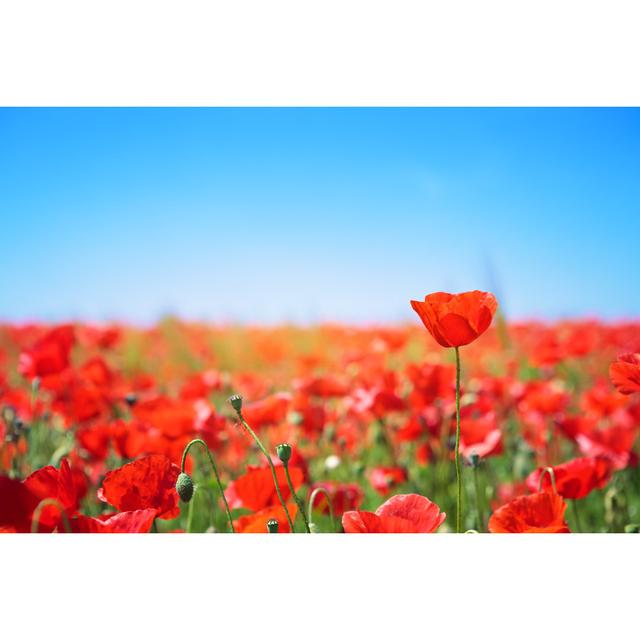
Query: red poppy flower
[[266, 412], [384, 479], [538, 513], [139, 521], [480, 436], [614, 442], [404, 513], [59, 485], [455, 320], [255, 489], [344, 497], [625, 373], [574, 479], [257, 522], [49, 355], [147, 483]]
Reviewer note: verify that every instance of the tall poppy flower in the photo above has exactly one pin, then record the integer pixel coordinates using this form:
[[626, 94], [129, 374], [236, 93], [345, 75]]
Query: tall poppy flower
[[146, 483], [538, 513], [625, 373], [403, 513], [455, 320]]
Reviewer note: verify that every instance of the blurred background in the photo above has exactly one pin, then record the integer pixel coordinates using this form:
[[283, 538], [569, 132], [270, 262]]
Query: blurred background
[[307, 215]]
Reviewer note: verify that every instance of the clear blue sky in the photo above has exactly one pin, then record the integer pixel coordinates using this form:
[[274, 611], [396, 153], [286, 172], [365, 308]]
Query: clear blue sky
[[266, 215]]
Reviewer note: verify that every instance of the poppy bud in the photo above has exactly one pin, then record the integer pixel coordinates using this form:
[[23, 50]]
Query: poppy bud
[[272, 526], [284, 452], [184, 487], [236, 402], [632, 528]]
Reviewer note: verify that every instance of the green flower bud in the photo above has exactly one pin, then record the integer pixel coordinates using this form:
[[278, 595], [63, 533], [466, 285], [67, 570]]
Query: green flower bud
[[184, 487], [284, 452], [272, 526], [236, 402], [632, 528]]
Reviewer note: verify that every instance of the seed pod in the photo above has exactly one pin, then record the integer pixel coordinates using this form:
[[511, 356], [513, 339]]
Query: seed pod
[[184, 487], [272, 526], [284, 452], [236, 402]]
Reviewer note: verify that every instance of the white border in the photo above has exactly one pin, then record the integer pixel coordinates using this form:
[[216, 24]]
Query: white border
[[333, 52], [349, 586]]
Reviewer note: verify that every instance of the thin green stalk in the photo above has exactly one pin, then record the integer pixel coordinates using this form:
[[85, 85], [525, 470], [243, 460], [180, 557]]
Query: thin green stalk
[[312, 498], [576, 515], [271, 466], [215, 473], [296, 498], [479, 501], [190, 510], [458, 469]]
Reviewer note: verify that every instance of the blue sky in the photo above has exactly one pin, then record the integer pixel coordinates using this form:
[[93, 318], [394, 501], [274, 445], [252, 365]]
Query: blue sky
[[303, 215]]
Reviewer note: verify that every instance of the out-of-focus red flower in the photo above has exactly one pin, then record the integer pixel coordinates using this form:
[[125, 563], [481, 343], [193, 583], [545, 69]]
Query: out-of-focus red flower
[[538, 513], [404, 513], [574, 479], [614, 442], [601, 401], [146, 483], [625, 373], [344, 497], [255, 489], [431, 382], [269, 411], [257, 522], [455, 320], [384, 479], [139, 521], [326, 386], [481, 436], [49, 355], [95, 439], [201, 385], [508, 491]]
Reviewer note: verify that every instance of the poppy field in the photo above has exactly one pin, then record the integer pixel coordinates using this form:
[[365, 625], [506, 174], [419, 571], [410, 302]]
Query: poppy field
[[460, 421]]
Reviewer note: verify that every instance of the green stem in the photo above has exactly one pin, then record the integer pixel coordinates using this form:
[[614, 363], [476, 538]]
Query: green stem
[[576, 515], [296, 498], [458, 469], [190, 511], [215, 473], [312, 498], [479, 501], [271, 466]]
